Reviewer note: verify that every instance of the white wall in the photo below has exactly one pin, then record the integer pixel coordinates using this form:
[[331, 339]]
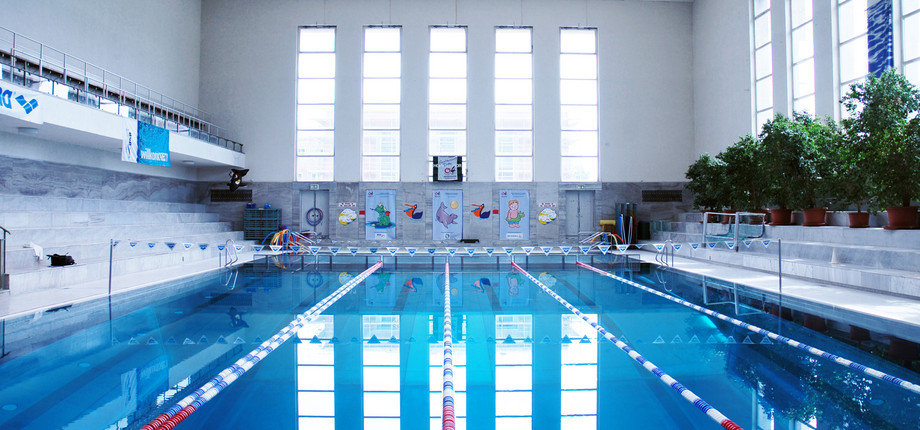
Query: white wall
[[153, 43], [248, 66], [721, 74]]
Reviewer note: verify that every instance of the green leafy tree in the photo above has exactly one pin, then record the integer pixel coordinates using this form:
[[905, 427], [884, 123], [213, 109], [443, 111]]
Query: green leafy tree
[[707, 183]]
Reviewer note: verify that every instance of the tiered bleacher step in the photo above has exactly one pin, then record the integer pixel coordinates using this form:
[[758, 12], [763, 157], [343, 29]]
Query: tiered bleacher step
[[83, 228], [867, 258]]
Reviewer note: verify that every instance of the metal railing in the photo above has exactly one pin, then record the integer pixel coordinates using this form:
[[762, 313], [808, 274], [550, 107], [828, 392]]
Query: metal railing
[[50, 71], [734, 228], [4, 277]]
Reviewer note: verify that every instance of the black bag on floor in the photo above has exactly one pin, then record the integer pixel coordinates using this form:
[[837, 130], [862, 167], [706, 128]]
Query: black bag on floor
[[61, 260]]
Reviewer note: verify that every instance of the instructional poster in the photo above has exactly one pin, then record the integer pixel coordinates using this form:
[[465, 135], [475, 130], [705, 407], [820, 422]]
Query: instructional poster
[[447, 223], [381, 224], [514, 208]]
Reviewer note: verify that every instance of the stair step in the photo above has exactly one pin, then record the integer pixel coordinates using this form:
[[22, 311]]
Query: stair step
[[21, 203], [46, 219]]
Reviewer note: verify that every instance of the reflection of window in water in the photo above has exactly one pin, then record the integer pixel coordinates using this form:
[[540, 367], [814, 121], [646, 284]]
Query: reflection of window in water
[[316, 375], [381, 371], [436, 370], [579, 373], [513, 371]]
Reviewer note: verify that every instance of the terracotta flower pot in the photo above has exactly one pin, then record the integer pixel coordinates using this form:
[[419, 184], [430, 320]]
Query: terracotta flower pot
[[858, 219], [815, 217], [781, 216], [901, 217]]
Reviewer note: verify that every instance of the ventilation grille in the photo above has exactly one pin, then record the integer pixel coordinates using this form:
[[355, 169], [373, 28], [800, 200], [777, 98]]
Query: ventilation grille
[[231, 196], [658, 196]]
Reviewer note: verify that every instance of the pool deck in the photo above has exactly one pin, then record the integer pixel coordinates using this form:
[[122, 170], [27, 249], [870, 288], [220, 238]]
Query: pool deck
[[886, 313]]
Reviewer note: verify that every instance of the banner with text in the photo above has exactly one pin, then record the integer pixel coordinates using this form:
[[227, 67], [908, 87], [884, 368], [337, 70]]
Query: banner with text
[[20, 104]]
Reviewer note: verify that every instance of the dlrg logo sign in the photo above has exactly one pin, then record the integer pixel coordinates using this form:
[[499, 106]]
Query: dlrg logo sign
[[7, 97]]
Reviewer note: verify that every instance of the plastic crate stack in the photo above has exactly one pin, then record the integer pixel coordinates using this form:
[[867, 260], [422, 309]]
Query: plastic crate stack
[[258, 223]]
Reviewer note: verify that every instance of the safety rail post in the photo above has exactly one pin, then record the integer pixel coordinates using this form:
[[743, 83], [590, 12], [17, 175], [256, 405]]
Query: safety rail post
[[4, 277]]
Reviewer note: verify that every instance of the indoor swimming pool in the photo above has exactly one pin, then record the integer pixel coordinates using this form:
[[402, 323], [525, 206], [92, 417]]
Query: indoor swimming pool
[[373, 359]]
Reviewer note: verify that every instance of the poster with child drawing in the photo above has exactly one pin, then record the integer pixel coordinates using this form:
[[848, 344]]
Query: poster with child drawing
[[514, 207], [447, 206], [381, 224]]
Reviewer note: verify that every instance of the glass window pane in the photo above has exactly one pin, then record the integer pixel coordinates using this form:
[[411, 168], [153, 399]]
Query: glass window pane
[[314, 168], [315, 378], [448, 39], [760, 6], [514, 91], [515, 403], [317, 39], [316, 403], [911, 37], [578, 41], [381, 39], [579, 377], [380, 169], [381, 117], [577, 66], [805, 104], [316, 91], [451, 117], [800, 12], [854, 59], [315, 117], [579, 143], [912, 73], [447, 91], [316, 65], [381, 378], [382, 65], [512, 40], [381, 142], [579, 117], [803, 75], [764, 93], [447, 65], [513, 117], [852, 19], [579, 402], [513, 377], [580, 92], [763, 117], [381, 91], [908, 6], [381, 405], [803, 43], [513, 65], [315, 142], [763, 60], [578, 422], [513, 143], [513, 169], [762, 30], [579, 169], [447, 142]]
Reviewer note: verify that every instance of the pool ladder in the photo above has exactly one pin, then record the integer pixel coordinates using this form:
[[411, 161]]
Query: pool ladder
[[665, 259], [230, 255], [4, 277]]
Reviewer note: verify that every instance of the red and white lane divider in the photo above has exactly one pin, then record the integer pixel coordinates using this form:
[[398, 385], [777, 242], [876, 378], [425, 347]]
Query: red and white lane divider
[[688, 395], [187, 406], [448, 416], [794, 343]]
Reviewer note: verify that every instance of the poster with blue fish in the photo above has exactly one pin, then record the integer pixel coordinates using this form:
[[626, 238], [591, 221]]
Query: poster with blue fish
[[381, 222], [447, 223], [514, 208]]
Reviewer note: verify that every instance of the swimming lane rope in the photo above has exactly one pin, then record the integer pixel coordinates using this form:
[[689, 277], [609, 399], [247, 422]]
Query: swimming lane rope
[[187, 406], [688, 395], [812, 350], [447, 392]]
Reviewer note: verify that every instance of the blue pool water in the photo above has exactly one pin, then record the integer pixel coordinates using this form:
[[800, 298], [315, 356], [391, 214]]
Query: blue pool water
[[373, 359]]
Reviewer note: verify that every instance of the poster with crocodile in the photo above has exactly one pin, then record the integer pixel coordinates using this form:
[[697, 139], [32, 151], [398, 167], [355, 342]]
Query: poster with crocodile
[[381, 223]]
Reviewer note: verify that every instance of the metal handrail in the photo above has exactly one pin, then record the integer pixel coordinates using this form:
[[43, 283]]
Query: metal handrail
[[31, 57], [4, 278], [736, 223], [230, 253]]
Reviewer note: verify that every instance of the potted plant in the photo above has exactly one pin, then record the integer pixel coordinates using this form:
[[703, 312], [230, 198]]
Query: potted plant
[[743, 175], [883, 120], [784, 146], [814, 185], [707, 183], [847, 180]]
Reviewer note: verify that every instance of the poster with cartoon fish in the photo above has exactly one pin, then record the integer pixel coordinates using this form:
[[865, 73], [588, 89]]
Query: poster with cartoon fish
[[379, 216], [447, 207], [514, 209]]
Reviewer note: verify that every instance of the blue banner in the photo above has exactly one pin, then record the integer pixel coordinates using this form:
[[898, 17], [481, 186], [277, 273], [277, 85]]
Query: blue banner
[[514, 207], [880, 36], [378, 216], [447, 206], [152, 145]]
